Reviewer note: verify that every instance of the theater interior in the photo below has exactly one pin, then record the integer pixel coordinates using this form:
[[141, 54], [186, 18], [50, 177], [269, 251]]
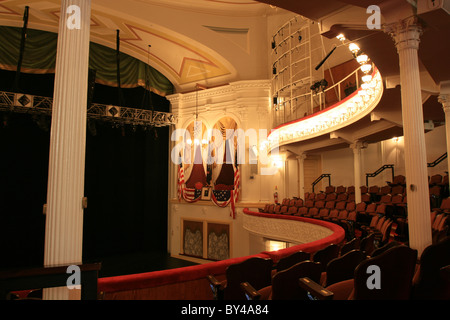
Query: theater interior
[[224, 150]]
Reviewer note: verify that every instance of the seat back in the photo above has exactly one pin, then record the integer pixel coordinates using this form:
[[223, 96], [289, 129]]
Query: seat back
[[343, 267], [326, 254], [387, 276], [351, 206], [341, 189], [299, 203], [360, 207], [292, 210], [340, 205], [428, 283], [367, 244], [285, 283], [290, 260], [324, 212], [256, 271], [349, 246]]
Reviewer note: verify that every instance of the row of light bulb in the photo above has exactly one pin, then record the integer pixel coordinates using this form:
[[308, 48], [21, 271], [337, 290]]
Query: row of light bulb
[[362, 58], [358, 102]]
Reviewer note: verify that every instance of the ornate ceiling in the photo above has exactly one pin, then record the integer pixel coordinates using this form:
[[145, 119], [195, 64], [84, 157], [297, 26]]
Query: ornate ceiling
[[181, 58]]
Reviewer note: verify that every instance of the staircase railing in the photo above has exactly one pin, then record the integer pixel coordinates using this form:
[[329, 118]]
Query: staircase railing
[[437, 161], [374, 174], [325, 175]]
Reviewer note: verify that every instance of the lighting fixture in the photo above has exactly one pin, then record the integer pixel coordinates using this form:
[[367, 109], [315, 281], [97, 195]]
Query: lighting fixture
[[367, 78], [366, 68], [353, 47], [362, 58], [341, 37]]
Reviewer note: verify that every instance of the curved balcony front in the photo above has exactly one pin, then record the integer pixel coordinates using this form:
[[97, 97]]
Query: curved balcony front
[[347, 111]]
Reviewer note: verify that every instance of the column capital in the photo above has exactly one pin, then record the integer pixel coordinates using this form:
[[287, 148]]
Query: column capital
[[406, 33], [358, 145], [301, 157], [444, 99]]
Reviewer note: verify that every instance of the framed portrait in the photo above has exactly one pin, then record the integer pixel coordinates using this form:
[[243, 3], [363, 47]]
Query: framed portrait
[[206, 193]]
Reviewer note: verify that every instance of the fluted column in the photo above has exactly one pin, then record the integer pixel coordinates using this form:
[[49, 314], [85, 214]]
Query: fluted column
[[356, 147], [301, 176], [444, 99], [406, 35], [64, 221]]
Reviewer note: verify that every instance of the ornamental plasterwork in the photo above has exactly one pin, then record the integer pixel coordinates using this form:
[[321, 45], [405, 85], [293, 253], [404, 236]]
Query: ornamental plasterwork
[[285, 230]]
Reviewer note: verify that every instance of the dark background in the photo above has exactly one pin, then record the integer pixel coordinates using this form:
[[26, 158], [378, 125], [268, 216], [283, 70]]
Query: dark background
[[125, 182]]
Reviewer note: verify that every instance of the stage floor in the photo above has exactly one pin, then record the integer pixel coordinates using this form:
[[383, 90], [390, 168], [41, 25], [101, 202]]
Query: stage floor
[[139, 262]]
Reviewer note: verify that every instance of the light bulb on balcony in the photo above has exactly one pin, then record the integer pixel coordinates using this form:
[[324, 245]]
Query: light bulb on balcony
[[196, 142], [367, 78], [365, 86], [353, 48], [189, 141], [341, 37], [362, 58], [366, 68]]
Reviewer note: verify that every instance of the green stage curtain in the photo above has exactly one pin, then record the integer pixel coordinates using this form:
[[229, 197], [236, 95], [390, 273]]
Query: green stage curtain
[[40, 58]]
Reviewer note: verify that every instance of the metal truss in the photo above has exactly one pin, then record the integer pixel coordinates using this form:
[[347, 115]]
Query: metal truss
[[25, 103]]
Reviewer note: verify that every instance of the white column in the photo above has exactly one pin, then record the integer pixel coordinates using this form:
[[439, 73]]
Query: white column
[[406, 35], [286, 178], [357, 169], [444, 99], [64, 221], [301, 176]]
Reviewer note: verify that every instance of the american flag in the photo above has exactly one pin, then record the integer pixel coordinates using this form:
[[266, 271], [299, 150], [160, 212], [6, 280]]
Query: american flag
[[192, 194], [235, 193], [222, 197], [180, 181]]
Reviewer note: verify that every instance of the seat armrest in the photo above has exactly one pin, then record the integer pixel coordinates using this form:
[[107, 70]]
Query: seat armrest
[[315, 289], [250, 292], [217, 287], [445, 273]]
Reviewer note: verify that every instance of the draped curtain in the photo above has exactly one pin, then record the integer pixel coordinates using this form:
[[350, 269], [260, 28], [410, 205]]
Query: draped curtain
[[40, 57]]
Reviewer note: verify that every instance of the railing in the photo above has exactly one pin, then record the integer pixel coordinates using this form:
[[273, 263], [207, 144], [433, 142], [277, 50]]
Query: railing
[[325, 175], [374, 174], [317, 100], [437, 161]]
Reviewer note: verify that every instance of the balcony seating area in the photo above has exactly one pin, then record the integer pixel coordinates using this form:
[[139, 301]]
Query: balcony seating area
[[382, 210]]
